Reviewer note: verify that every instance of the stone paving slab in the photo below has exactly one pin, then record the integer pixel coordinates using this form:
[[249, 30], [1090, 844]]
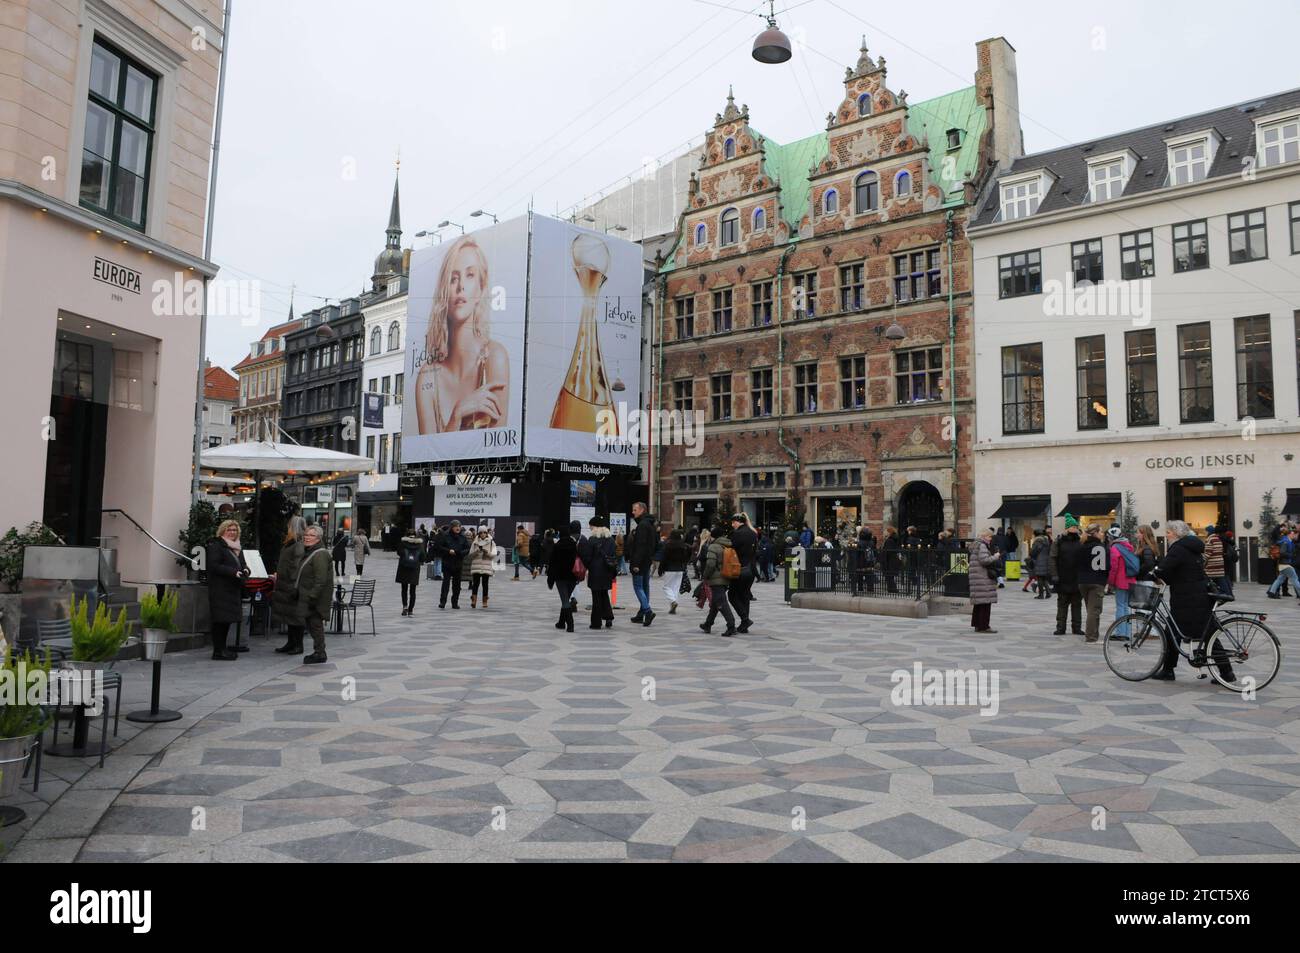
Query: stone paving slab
[[487, 735]]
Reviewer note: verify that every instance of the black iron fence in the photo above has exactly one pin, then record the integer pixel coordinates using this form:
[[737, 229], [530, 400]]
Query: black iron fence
[[911, 574]]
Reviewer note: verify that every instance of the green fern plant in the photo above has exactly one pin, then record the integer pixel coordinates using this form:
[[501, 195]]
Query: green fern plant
[[158, 613], [100, 638]]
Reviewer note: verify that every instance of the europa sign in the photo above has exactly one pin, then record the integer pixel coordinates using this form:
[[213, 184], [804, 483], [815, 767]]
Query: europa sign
[[119, 276]]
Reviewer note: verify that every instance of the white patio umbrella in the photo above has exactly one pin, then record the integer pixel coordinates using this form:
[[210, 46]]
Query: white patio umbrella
[[261, 458]]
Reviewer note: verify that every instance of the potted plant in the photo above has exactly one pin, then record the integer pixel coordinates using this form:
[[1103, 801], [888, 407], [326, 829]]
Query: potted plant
[[96, 642], [157, 619], [20, 722]]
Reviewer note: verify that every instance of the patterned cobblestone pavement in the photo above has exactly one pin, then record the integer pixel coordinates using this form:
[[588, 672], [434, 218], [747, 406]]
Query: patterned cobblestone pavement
[[486, 735]]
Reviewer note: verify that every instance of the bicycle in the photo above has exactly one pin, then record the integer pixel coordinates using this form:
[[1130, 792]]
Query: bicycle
[[1134, 644]]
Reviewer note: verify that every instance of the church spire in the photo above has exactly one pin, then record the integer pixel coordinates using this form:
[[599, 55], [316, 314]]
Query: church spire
[[390, 262]]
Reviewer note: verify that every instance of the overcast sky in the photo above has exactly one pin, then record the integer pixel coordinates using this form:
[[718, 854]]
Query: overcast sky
[[494, 102]]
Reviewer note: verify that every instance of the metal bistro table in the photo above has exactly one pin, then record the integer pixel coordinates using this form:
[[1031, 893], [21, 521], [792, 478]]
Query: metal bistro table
[[77, 748], [156, 715]]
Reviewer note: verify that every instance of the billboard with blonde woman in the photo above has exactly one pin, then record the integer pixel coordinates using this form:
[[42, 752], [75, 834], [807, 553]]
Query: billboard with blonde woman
[[463, 396]]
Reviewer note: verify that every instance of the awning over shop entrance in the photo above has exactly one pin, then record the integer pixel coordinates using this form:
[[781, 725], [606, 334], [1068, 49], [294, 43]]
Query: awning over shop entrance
[[1022, 507], [1090, 504], [1292, 507]]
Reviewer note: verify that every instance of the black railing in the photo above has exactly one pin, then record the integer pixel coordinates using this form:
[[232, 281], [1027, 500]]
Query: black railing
[[907, 574]]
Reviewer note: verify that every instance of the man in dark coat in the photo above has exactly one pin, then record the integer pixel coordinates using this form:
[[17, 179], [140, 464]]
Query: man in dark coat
[[1094, 572], [453, 548], [1183, 570], [640, 554], [598, 555], [745, 542], [1063, 563]]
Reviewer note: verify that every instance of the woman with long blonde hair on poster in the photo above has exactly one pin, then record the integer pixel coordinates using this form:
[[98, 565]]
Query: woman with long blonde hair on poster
[[464, 381]]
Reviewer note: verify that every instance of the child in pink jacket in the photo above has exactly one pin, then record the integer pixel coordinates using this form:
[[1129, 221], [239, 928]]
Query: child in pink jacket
[[1118, 580]]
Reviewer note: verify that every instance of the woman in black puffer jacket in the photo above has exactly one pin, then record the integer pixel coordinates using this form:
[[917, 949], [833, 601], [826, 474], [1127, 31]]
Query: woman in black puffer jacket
[[559, 572], [1183, 570], [676, 557]]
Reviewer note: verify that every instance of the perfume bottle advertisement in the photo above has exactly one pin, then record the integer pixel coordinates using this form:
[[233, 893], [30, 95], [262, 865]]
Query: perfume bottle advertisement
[[463, 396], [584, 345]]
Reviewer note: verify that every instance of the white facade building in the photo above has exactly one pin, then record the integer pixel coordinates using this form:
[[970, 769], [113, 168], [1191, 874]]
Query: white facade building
[[378, 492], [1137, 327]]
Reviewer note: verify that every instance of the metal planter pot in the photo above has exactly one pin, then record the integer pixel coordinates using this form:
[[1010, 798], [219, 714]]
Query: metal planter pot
[[153, 644], [13, 758]]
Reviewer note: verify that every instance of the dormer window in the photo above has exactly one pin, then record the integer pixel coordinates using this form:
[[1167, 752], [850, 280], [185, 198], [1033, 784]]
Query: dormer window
[[730, 232], [1191, 156], [1108, 175], [1022, 194], [1278, 141], [760, 219], [954, 138], [903, 185], [701, 234], [864, 104], [729, 149], [831, 202]]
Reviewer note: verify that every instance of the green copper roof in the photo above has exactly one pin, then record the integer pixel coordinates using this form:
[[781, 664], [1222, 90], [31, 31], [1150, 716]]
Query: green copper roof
[[932, 119], [927, 121], [789, 165]]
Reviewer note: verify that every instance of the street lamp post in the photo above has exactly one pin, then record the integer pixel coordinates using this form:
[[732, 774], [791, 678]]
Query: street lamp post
[[479, 212], [446, 223]]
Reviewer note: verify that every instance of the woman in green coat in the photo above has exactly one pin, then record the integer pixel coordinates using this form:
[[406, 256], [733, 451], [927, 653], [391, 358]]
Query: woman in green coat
[[316, 591]]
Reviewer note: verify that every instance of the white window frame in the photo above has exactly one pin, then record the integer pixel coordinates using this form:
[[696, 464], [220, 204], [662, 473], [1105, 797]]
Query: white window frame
[[1022, 195], [1287, 127], [701, 234], [759, 222], [826, 196], [910, 187], [1108, 175], [1207, 138]]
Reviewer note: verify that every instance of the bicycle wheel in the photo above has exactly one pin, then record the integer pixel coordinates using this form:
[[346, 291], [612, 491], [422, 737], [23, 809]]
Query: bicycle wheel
[[1251, 649], [1134, 647]]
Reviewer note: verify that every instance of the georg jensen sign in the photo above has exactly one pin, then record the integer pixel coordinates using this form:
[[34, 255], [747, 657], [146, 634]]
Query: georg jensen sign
[[119, 276]]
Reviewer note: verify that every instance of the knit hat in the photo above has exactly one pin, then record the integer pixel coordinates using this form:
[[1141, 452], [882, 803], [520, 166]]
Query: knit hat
[[1114, 532], [575, 527], [1071, 521], [1209, 530], [596, 521]]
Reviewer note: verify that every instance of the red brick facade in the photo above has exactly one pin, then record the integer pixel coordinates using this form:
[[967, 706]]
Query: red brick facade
[[889, 462]]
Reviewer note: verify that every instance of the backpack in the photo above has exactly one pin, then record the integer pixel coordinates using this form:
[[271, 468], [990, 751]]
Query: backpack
[[730, 568], [410, 558], [1131, 563]]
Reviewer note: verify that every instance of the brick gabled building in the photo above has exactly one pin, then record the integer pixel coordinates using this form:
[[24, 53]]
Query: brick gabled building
[[817, 307]]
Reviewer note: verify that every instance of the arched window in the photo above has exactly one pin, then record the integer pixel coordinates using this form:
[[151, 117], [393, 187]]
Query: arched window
[[831, 202], [374, 340], [760, 219], [903, 185], [730, 227], [864, 104], [729, 149], [701, 234], [866, 193], [394, 336]]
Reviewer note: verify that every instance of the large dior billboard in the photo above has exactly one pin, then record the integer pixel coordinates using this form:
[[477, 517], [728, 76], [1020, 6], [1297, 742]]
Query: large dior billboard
[[463, 390], [564, 301]]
